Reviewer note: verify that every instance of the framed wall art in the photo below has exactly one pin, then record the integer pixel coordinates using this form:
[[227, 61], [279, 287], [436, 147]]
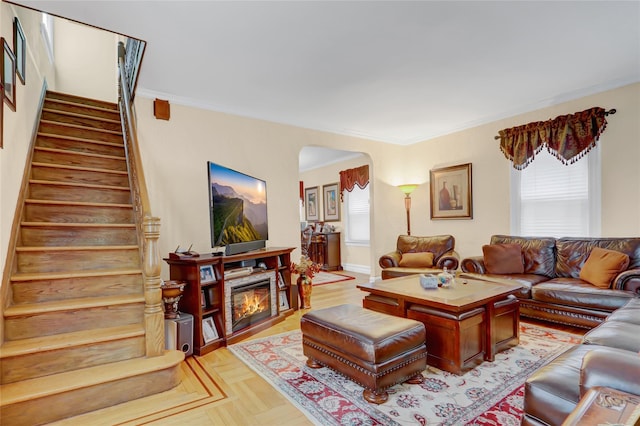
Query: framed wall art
[[331, 203], [451, 196], [19, 49], [312, 209], [8, 71]]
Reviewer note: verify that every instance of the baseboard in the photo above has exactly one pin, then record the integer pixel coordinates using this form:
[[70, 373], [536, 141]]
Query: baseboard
[[360, 269]]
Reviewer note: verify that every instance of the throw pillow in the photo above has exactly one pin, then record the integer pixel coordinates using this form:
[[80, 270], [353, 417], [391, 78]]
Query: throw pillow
[[416, 260], [503, 258], [602, 266]]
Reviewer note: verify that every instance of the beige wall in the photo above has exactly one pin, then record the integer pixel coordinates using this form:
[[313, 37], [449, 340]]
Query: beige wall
[[354, 258], [175, 153], [19, 126], [86, 61], [620, 151]]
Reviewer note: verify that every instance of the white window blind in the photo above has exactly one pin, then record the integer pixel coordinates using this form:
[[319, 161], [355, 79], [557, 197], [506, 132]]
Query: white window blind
[[553, 199], [357, 215]]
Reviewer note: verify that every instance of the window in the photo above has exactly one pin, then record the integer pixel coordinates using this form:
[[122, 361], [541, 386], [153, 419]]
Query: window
[[549, 198], [357, 216], [46, 28]]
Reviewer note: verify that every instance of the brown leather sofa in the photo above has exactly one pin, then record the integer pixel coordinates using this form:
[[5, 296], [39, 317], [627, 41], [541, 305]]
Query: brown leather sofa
[[552, 289], [608, 356], [442, 247]]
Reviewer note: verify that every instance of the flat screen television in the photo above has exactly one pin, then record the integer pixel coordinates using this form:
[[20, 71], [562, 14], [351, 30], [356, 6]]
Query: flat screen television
[[238, 210]]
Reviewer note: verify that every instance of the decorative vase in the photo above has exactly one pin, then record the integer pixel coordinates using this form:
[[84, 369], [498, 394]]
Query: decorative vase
[[304, 289], [171, 294]]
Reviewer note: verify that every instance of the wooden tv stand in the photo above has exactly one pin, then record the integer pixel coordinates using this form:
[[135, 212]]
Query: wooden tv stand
[[204, 296]]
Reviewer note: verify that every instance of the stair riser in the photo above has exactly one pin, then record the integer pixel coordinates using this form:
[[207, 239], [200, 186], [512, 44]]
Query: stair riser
[[78, 176], [73, 159], [42, 236], [79, 109], [54, 192], [36, 291], [50, 323], [80, 146], [77, 214], [60, 129], [81, 101], [59, 406], [63, 260], [58, 361], [96, 123]]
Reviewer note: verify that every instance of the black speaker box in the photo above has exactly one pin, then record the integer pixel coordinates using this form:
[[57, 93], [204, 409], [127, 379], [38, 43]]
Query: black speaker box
[[178, 333]]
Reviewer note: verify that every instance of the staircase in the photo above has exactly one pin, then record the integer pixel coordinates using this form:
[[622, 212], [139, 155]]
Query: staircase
[[74, 330]]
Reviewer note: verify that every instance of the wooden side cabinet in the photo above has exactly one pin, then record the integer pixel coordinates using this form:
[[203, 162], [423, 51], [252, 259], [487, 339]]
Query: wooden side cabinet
[[325, 250], [204, 296]]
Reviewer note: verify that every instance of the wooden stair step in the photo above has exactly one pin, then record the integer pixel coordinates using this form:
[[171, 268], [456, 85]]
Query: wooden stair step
[[70, 305], [52, 127], [69, 234], [46, 287], [49, 398], [54, 342], [41, 356], [50, 140], [81, 100], [75, 158], [58, 259], [80, 192], [64, 316], [62, 211], [63, 173], [81, 109], [70, 117]]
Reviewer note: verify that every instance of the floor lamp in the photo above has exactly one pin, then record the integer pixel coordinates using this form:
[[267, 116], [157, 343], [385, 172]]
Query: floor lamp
[[408, 189]]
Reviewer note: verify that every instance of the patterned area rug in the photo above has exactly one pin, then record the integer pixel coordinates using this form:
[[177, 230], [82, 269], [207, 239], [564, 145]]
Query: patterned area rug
[[490, 394], [323, 277]]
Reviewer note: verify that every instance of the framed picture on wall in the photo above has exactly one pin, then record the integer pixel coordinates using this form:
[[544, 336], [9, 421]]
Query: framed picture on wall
[[331, 202], [8, 71], [312, 209], [19, 48], [451, 192]]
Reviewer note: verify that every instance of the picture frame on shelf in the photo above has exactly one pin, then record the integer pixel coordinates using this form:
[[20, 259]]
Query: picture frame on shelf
[[206, 274], [8, 74], [19, 49], [311, 200], [331, 202], [451, 192], [203, 299], [209, 331]]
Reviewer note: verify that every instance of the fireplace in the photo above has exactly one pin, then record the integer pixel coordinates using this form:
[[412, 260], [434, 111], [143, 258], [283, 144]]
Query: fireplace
[[249, 300], [250, 303]]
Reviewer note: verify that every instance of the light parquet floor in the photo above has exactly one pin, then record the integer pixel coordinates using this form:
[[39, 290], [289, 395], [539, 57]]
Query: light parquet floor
[[219, 389]]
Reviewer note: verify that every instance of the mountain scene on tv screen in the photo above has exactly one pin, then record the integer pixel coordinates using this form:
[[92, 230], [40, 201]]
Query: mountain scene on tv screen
[[235, 218]]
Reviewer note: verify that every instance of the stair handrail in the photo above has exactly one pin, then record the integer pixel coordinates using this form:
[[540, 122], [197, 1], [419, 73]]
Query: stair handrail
[[147, 225]]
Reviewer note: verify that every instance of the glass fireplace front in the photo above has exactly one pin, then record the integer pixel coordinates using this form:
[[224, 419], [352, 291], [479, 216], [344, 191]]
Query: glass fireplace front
[[250, 303]]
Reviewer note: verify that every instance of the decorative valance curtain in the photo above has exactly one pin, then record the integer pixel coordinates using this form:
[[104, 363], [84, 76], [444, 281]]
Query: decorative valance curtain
[[352, 177], [567, 137]]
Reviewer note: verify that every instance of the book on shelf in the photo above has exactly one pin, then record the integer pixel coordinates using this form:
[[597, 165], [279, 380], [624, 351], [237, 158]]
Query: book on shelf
[[203, 299], [284, 302]]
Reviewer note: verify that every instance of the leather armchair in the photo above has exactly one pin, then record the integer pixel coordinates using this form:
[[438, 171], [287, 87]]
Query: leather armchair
[[442, 247]]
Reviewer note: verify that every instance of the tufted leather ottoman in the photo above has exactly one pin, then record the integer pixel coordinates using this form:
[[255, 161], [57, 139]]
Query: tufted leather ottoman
[[373, 349]]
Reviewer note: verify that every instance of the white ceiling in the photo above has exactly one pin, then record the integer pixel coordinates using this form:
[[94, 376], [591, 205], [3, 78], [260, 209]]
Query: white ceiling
[[393, 71]]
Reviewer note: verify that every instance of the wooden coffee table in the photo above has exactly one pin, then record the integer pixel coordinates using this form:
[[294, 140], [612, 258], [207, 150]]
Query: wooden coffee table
[[466, 323]]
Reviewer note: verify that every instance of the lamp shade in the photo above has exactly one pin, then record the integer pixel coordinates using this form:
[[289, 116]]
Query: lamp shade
[[408, 188]]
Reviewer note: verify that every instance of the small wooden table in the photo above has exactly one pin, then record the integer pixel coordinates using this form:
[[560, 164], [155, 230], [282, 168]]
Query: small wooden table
[[466, 323]]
